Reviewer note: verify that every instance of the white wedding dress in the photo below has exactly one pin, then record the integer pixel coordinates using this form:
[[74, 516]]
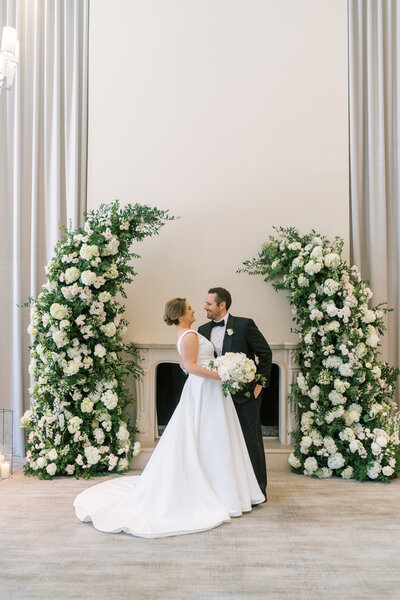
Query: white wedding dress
[[198, 477]]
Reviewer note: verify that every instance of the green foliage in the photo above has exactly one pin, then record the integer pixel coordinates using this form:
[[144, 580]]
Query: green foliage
[[78, 422], [348, 425]]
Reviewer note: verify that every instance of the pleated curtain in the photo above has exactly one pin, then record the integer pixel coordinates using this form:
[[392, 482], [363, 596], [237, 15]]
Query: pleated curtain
[[374, 100], [43, 157]]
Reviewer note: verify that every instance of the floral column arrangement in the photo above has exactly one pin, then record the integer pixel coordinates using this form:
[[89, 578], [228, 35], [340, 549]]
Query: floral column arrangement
[[77, 424], [348, 426]]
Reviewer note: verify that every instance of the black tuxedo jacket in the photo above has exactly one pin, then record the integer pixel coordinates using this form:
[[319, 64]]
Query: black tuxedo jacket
[[247, 338]]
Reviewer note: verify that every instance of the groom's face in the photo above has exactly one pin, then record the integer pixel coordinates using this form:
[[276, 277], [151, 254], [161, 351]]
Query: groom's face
[[214, 311]]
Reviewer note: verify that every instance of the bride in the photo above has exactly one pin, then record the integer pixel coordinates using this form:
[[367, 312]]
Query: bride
[[200, 474]]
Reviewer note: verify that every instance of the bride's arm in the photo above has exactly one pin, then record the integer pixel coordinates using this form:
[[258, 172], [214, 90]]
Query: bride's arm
[[189, 352]]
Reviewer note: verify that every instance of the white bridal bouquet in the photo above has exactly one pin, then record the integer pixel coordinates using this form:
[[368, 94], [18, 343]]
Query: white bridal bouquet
[[236, 371]]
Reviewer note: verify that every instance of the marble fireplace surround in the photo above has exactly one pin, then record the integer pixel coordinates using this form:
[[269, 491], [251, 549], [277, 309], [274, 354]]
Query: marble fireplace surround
[[155, 354]]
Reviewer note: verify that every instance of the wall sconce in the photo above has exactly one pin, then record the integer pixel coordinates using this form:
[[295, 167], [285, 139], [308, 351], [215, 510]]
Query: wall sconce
[[9, 57]]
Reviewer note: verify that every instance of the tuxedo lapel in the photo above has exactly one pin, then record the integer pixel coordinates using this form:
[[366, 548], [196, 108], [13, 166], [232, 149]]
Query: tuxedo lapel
[[227, 343], [207, 330]]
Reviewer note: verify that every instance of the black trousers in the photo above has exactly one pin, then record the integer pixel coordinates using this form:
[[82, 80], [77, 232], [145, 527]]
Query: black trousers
[[249, 417]]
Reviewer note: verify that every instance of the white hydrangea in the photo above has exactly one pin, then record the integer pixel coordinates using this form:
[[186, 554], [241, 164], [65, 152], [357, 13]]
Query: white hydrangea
[[331, 308], [123, 433], [368, 316], [99, 435], [332, 362], [74, 424], [336, 461], [303, 281], [314, 392], [305, 443], [92, 455], [58, 311], [310, 464], [123, 464], [109, 329], [372, 337], [324, 473], [333, 326], [347, 473], [313, 267], [330, 287], [86, 406], [109, 399], [301, 382], [60, 338], [71, 274], [104, 296], [336, 398], [41, 462], [345, 370], [316, 315], [88, 277], [374, 470], [332, 260], [88, 252]]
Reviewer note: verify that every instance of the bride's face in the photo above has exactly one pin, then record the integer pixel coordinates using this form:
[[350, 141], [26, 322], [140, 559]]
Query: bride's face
[[189, 314]]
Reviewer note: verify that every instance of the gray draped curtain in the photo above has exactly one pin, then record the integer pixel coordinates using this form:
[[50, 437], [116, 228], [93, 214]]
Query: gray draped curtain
[[43, 156], [374, 100]]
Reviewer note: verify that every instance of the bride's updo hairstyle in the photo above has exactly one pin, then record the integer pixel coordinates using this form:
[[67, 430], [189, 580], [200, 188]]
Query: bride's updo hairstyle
[[174, 309]]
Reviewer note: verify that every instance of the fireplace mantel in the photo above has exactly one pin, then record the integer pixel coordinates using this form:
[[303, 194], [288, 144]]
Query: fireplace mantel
[[283, 355]]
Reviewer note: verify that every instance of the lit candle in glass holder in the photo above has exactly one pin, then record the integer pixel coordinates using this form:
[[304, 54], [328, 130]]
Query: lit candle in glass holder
[[5, 470]]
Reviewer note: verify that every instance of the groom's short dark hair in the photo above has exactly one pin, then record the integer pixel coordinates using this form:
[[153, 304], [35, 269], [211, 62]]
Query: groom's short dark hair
[[222, 295]]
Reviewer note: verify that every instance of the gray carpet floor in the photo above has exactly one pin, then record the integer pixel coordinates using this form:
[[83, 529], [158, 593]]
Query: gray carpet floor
[[315, 539]]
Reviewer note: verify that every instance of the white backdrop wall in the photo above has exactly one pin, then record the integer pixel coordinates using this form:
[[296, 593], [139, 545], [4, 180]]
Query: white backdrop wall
[[232, 114]]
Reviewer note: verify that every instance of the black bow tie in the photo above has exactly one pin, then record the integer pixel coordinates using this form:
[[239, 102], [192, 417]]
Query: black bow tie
[[219, 324]]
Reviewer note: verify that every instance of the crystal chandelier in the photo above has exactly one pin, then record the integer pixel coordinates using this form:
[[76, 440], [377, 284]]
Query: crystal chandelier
[[9, 57]]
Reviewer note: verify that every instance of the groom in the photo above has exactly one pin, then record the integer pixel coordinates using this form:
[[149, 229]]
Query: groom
[[239, 334]]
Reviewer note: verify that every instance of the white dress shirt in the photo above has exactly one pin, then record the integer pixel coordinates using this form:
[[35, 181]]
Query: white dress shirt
[[218, 334]]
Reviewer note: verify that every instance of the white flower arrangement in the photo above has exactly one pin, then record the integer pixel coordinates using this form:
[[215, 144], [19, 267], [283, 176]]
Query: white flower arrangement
[[343, 389], [236, 371], [77, 424]]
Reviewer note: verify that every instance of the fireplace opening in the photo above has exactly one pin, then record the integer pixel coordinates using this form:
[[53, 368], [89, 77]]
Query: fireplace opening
[[269, 412], [170, 380]]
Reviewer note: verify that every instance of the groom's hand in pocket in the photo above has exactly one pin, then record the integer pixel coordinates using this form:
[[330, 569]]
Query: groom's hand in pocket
[[257, 390]]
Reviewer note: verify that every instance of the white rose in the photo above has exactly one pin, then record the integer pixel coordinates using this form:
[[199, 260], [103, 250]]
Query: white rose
[[41, 462], [52, 454], [26, 418], [51, 469], [294, 461], [387, 471]]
